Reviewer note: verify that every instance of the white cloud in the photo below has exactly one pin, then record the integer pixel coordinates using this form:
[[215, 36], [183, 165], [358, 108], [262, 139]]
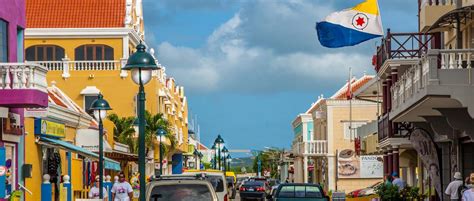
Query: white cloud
[[268, 46]]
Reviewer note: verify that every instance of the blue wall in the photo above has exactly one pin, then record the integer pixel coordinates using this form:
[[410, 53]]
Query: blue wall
[[177, 163]]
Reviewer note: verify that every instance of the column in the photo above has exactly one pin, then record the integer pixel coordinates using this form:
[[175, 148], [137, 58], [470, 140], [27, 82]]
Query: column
[[46, 189], [389, 93], [384, 96], [396, 158], [331, 173], [390, 161], [305, 169], [385, 162]]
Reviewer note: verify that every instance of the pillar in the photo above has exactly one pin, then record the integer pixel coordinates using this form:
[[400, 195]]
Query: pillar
[[108, 186], [385, 162], [46, 189], [384, 96], [389, 93], [331, 174], [305, 169], [67, 186], [390, 161], [396, 159]]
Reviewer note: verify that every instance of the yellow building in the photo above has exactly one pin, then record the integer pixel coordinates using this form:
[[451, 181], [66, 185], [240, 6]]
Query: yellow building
[[85, 47]]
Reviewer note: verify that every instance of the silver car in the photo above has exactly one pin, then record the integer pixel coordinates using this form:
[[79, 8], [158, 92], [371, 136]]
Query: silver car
[[178, 189]]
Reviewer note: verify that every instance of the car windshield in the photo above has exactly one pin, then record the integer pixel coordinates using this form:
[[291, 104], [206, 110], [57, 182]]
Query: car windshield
[[299, 192], [216, 182], [184, 192], [254, 183]]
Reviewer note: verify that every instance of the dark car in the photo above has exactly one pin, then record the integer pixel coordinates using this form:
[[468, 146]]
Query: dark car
[[300, 192], [257, 190]]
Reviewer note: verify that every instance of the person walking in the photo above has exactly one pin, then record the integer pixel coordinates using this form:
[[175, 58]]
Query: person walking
[[468, 195], [122, 191], [94, 191], [388, 179], [397, 181], [453, 188]]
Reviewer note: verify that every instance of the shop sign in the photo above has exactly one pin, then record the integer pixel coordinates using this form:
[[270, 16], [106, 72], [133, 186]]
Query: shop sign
[[12, 124], [49, 128], [3, 170], [351, 165], [429, 156]]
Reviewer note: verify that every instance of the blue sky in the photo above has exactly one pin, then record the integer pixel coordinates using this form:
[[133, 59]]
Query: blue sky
[[250, 66]]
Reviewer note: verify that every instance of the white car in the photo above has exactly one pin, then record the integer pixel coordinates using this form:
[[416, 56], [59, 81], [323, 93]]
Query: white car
[[217, 180]]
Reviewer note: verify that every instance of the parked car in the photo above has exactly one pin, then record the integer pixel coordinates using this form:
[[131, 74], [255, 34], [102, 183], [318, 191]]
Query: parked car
[[254, 190], [300, 192], [240, 180], [231, 187], [217, 180], [179, 188], [365, 191]]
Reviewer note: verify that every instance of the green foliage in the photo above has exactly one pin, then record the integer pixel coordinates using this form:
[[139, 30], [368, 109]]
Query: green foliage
[[269, 159], [124, 131], [15, 195], [390, 192]]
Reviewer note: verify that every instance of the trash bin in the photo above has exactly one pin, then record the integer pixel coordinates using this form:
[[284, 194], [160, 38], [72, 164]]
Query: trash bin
[[338, 196]]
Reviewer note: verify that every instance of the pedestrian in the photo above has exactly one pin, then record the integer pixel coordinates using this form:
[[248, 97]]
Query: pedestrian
[[388, 179], [452, 189], [468, 194], [122, 191], [397, 181], [94, 191]]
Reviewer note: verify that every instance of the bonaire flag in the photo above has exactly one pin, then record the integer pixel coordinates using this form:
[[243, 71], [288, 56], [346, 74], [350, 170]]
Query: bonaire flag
[[351, 26]]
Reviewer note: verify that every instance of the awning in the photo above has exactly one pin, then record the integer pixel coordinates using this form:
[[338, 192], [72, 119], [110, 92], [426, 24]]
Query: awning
[[449, 19], [108, 163]]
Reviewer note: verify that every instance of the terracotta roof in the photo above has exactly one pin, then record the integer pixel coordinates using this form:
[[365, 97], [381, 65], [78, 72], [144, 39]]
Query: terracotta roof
[[75, 13], [355, 85]]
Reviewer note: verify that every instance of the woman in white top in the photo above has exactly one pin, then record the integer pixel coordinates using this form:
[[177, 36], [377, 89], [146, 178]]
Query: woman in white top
[[94, 191], [468, 194]]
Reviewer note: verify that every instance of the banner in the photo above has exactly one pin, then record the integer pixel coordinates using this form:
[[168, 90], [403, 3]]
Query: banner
[[429, 156], [49, 128], [350, 165]]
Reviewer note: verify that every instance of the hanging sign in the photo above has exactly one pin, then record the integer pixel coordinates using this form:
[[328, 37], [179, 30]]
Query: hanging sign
[[429, 156], [49, 128]]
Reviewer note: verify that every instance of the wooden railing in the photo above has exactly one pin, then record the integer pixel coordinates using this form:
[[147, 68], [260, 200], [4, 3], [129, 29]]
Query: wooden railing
[[404, 46], [23, 76]]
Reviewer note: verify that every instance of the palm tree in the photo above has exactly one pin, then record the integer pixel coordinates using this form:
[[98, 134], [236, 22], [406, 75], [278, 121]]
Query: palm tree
[[124, 131], [155, 122]]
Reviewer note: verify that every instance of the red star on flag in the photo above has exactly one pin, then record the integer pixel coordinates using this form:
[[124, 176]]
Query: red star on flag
[[360, 21]]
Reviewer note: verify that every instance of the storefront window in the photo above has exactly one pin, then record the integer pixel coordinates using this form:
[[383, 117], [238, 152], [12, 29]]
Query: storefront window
[[52, 166], [10, 164], [3, 41]]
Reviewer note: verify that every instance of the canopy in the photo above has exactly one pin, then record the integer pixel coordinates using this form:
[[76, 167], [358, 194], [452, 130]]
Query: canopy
[[108, 163]]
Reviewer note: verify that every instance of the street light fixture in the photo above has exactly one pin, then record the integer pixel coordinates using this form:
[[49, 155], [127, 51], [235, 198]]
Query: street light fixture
[[161, 132], [224, 153], [141, 64], [229, 159], [99, 108], [219, 142], [196, 158], [214, 162]]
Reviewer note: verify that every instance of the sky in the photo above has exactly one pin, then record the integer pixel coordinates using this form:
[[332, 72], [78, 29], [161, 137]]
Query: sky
[[249, 67]]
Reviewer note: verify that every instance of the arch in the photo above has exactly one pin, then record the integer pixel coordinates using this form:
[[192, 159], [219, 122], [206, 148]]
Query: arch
[[94, 52], [44, 53]]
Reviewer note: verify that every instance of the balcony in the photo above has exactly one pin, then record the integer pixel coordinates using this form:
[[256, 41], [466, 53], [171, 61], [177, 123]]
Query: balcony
[[23, 85], [67, 66], [312, 148], [442, 79]]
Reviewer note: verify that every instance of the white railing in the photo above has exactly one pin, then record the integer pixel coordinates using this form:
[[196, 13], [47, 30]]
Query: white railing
[[23, 76], [437, 2], [417, 77], [81, 65], [316, 147]]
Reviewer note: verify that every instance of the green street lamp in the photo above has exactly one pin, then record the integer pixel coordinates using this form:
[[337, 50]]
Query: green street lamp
[[161, 132], [99, 108], [196, 158], [224, 153], [141, 64], [219, 142], [229, 159], [214, 162]]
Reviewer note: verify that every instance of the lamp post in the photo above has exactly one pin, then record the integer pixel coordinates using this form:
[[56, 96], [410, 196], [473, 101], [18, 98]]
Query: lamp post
[[219, 142], [229, 159], [224, 153], [196, 158], [200, 158], [214, 149], [161, 132], [141, 64], [100, 107]]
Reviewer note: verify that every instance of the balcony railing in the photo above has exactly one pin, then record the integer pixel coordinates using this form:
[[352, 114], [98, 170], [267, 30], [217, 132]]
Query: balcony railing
[[23, 76], [404, 46], [417, 77], [437, 2], [311, 148]]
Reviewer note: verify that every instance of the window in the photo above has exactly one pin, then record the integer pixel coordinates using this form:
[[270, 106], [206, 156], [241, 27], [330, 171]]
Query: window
[[3, 41], [10, 164], [300, 192], [88, 99], [44, 53], [347, 131], [94, 53]]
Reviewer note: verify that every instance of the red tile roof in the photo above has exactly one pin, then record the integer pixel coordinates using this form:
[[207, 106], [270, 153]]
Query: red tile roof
[[355, 85], [75, 13]]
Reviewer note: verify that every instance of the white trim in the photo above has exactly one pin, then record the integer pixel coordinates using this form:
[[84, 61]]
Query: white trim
[[90, 90], [11, 138], [330, 127], [125, 47], [68, 117]]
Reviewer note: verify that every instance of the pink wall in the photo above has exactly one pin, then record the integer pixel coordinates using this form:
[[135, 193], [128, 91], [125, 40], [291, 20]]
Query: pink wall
[[13, 11]]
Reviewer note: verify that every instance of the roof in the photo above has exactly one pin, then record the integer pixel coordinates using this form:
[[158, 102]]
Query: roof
[[355, 85], [75, 13]]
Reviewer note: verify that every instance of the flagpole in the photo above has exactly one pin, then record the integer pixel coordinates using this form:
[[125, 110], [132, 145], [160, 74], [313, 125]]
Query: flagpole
[[350, 102]]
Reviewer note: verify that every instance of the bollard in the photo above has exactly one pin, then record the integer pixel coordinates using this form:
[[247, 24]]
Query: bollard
[[67, 185], [108, 185], [46, 189]]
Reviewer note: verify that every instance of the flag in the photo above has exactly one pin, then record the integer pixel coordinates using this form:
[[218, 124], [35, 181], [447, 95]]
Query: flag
[[349, 90], [351, 26]]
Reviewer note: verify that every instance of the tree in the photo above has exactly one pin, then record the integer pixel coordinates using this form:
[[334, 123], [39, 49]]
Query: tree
[[269, 159], [124, 131], [155, 122]]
